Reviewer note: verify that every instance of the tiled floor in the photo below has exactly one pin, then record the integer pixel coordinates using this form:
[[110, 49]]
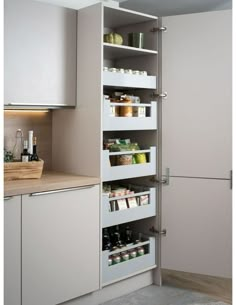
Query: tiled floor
[[165, 295]]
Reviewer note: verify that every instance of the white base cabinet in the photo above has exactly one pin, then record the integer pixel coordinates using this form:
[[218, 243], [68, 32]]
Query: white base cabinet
[[12, 250], [60, 245]]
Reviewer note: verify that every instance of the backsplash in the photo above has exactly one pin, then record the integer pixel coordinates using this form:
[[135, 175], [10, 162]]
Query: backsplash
[[39, 122]]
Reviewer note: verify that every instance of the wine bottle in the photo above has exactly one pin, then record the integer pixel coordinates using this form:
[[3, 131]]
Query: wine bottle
[[34, 156], [116, 237], [106, 244], [128, 235], [25, 156]]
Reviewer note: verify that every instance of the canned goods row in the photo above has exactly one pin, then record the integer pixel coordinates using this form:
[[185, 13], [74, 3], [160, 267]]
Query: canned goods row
[[125, 256], [126, 71]]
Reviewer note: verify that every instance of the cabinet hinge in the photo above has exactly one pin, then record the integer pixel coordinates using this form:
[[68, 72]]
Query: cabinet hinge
[[160, 29], [159, 95], [231, 180], [155, 231], [165, 181]]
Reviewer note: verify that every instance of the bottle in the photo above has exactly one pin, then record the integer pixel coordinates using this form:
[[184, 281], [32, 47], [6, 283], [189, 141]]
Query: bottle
[[106, 244], [30, 148], [18, 147], [25, 156], [116, 237], [34, 156], [128, 235]]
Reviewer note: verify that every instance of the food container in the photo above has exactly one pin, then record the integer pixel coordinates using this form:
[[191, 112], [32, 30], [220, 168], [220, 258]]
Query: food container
[[109, 261], [124, 256], [140, 251], [128, 71], [139, 112], [126, 111], [144, 73], [116, 259], [113, 70], [132, 253], [136, 40]]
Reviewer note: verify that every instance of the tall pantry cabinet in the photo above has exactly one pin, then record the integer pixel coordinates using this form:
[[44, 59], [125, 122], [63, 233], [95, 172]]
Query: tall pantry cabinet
[[78, 137]]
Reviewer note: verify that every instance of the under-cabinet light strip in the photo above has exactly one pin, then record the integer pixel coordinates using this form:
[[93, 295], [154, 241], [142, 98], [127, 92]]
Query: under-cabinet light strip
[[24, 110]]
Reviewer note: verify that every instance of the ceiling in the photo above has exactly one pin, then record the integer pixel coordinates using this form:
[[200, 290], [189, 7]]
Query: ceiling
[[176, 7], [154, 7]]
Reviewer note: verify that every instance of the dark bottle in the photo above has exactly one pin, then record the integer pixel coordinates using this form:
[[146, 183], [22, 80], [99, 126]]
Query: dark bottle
[[128, 235], [25, 156], [106, 243], [116, 237], [34, 156]]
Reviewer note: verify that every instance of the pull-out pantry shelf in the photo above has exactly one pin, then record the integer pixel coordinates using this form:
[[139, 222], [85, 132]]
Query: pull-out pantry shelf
[[118, 172], [123, 80], [147, 122], [111, 218], [130, 267]]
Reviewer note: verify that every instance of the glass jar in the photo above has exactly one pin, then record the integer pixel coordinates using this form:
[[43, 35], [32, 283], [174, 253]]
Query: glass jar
[[18, 147], [140, 251]]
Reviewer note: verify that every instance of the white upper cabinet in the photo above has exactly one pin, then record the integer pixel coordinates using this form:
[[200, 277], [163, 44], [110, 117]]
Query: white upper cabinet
[[40, 54]]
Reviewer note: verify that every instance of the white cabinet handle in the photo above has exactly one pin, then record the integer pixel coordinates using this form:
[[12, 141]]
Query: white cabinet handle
[[62, 190], [8, 197]]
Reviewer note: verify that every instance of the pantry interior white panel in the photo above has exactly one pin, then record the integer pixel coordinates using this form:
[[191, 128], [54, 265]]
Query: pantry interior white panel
[[196, 74], [197, 216]]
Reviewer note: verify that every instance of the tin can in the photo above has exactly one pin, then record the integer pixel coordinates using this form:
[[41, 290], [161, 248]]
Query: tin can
[[109, 261], [132, 253], [116, 259], [140, 251], [124, 256]]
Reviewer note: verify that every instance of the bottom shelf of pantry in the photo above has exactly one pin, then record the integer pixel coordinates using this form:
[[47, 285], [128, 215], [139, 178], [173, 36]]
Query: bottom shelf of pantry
[[124, 269]]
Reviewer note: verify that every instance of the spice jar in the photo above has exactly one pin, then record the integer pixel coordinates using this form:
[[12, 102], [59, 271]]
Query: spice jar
[[128, 71], [116, 259], [109, 261], [124, 256], [126, 111], [132, 253], [140, 251]]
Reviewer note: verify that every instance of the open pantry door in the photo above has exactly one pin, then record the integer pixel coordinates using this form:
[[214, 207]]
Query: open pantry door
[[196, 144]]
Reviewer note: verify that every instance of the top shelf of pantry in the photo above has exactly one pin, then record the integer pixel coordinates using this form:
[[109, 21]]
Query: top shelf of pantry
[[118, 17], [114, 51]]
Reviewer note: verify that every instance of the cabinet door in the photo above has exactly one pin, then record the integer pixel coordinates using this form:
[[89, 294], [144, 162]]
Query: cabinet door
[[197, 215], [39, 54], [197, 67], [12, 250], [60, 246]]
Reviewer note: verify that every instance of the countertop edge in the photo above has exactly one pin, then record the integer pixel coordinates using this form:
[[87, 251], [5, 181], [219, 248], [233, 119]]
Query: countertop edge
[[50, 181]]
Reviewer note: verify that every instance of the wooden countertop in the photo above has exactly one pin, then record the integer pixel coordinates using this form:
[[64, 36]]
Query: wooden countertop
[[49, 181]]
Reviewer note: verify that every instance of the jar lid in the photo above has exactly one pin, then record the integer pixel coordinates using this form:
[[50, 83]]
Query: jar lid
[[112, 69]]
